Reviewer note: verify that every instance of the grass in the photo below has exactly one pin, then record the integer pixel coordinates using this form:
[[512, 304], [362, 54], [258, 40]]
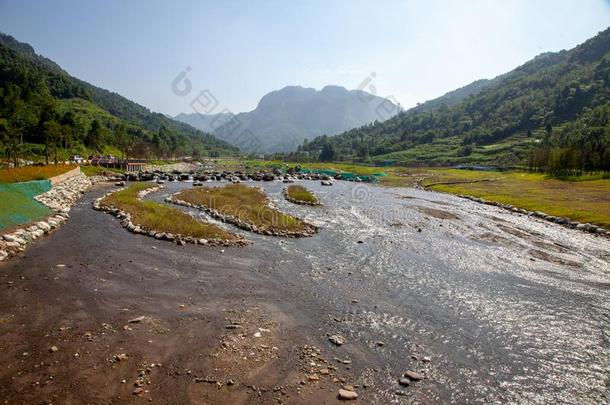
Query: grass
[[246, 203], [583, 201], [89, 171], [300, 193], [29, 173], [162, 218]]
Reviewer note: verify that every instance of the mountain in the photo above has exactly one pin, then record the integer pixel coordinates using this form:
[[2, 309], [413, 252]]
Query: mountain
[[551, 111], [283, 119], [46, 108], [453, 97], [204, 122]]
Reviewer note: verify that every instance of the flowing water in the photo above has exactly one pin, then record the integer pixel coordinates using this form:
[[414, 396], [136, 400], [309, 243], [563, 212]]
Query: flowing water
[[507, 308]]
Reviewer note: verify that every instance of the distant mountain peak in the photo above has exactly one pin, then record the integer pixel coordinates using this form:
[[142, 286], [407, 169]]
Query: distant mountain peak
[[284, 118]]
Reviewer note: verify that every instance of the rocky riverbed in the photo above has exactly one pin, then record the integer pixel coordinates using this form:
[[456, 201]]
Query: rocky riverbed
[[403, 296]]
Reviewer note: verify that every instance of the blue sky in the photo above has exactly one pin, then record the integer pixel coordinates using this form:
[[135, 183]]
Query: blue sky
[[241, 50]]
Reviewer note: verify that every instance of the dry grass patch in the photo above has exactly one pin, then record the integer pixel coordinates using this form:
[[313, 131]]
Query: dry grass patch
[[161, 218], [29, 173], [248, 204], [300, 194]]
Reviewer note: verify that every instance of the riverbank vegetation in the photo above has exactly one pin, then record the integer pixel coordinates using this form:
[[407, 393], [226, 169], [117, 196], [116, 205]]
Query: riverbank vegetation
[[300, 194], [29, 173], [151, 215], [248, 204]]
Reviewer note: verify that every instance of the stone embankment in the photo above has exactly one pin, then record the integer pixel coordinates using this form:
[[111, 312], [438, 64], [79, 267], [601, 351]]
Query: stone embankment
[[126, 223], [542, 215], [308, 230], [67, 189]]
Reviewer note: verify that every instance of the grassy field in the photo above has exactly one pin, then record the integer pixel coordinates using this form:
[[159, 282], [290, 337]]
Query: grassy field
[[246, 203], [89, 170], [300, 193], [162, 218], [582, 200], [29, 173]]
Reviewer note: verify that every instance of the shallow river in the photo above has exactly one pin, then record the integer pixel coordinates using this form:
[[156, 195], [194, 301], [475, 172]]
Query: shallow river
[[508, 308]]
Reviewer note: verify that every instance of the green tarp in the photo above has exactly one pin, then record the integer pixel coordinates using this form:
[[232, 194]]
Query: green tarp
[[17, 205]]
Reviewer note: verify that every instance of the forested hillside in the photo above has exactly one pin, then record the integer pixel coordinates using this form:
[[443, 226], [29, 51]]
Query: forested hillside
[[550, 113], [46, 112]]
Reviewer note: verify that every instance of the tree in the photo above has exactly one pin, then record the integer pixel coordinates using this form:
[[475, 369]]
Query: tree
[[53, 133], [123, 141], [328, 153], [47, 114], [94, 136]]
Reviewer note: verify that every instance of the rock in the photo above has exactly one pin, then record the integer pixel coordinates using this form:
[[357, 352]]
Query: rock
[[43, 226], [405, 382], [138, 391], [120, 357], [347, 395], [426, 359], [136, 320], [337, 339], [324, 371], [313, 377], [53, 349], [413, 375]]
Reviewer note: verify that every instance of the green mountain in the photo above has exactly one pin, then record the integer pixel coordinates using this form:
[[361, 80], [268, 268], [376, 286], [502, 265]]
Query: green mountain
[[283, 119], [550, 112], [44, 110]]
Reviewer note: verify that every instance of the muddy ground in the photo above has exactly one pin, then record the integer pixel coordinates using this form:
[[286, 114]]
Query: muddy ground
[[488, 306]]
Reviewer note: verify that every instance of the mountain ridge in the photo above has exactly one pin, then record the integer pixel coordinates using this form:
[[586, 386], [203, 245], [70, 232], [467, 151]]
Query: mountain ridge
[[284, 118], [557, 100], [35, 84]]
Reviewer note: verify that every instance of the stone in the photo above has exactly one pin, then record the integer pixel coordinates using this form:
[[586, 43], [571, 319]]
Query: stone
[[347, 395], [138, 391], [120, 357], [136, 320], [413, 375], [405, 382], [337, 339], [53, 349]]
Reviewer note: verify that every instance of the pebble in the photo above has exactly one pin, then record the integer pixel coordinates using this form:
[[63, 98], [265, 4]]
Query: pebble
[[404, 382], [347, 395], [413, 375], [120, 357], [53, 349], [337, 339]]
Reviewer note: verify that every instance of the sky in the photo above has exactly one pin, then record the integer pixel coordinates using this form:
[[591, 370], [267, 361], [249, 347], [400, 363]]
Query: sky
[[166, 55]]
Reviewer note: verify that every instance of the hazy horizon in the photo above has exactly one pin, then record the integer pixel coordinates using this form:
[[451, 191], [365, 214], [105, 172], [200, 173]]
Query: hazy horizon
[[241, 51]]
